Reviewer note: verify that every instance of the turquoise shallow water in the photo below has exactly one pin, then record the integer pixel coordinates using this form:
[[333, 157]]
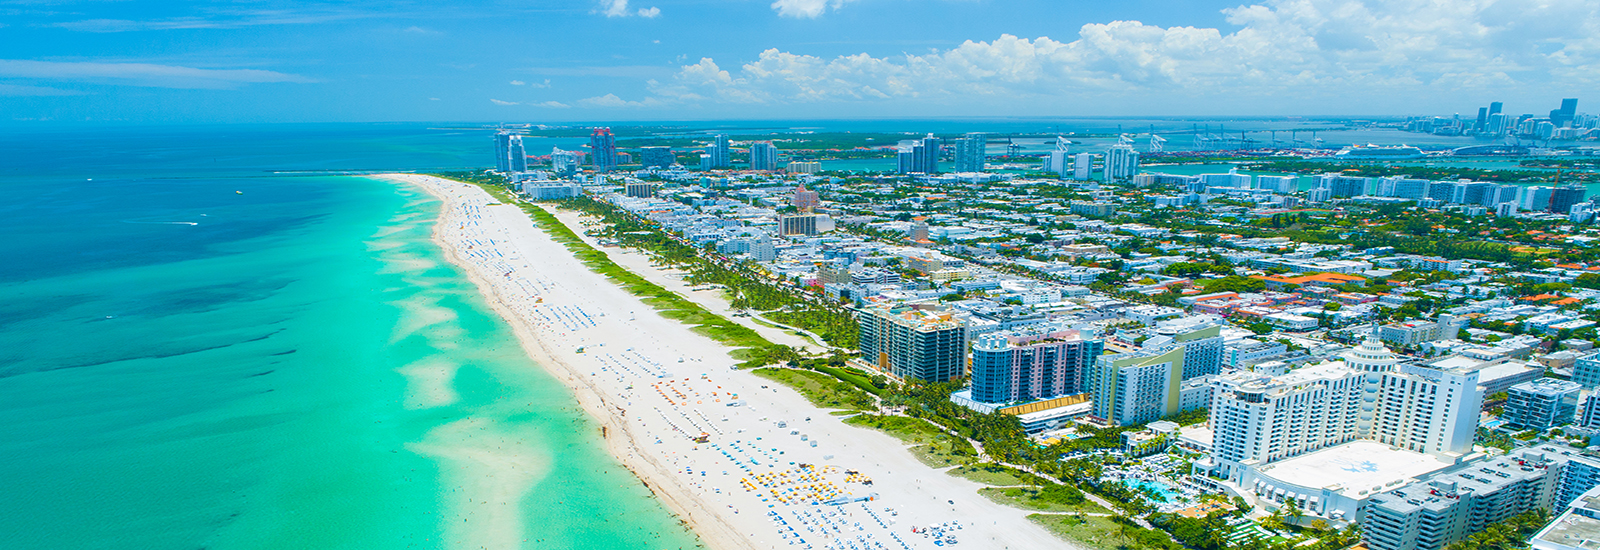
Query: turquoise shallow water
[[184, 366]]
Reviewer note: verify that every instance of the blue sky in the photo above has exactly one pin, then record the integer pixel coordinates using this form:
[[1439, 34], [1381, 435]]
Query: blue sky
[[581, 60]]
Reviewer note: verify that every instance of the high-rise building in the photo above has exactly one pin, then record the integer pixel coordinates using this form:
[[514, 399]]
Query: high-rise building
[[518, 157], [1541, 404], [1429, 408], [1342, 186], [913, 342], [905, 160], [1145, 385], [603, 149], [1258, 418], [657, 157], [971, 151], [717, 155], [1279, 184], [1562, 198], [763, 156], [1494, 108], [1082, 166], [1563, 116], [805, 200], [1202, 351], [564, 163], [929, 157], [1137, 387], [721, 152], [1536, 198], [502, 151], [1414, 418], [922, 157], [1122, 162], [1032, 363], [1483, 118]]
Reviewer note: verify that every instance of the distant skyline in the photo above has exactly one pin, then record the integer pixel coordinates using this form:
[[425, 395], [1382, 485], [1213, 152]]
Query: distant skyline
[[644, 60]]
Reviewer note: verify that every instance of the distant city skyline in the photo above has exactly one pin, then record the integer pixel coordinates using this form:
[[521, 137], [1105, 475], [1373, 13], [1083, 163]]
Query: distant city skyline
[[642, 60]]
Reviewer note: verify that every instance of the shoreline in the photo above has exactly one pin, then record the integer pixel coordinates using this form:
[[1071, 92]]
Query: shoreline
[[625, 448], [650, 399]]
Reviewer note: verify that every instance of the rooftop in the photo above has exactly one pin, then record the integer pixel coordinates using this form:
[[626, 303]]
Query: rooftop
[[1572, 530], [1356, 469]]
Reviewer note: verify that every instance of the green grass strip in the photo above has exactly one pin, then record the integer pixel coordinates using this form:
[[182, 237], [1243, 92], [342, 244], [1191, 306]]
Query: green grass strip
[[670, 304]]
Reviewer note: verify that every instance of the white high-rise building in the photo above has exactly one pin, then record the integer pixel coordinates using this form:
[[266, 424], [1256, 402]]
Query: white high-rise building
[[564, 163], [1259, 418], [1082, 166], [1233, 180], [1122, 162], [1279, 184], [1429, 408]]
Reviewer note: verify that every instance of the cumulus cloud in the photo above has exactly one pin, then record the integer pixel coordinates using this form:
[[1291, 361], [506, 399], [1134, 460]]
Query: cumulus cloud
[[552, 105], [619, 8], [1285, 47], [140, 74], [499, 102], [805, 9]]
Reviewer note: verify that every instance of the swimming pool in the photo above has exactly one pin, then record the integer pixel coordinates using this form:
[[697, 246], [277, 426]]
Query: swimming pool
[[1168, 494]]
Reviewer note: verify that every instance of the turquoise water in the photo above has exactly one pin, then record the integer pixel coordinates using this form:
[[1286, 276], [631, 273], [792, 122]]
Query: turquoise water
[[1167, 493], [296, 366]]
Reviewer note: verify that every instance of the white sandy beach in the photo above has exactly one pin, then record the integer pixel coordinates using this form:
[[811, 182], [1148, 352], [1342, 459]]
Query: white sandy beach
[[653, 384]]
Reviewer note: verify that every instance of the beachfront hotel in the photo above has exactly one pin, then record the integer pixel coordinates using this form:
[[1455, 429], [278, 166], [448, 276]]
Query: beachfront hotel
[[913, 342], [1328, 437]]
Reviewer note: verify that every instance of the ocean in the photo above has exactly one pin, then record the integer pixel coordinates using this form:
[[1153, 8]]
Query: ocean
[[205, 343]]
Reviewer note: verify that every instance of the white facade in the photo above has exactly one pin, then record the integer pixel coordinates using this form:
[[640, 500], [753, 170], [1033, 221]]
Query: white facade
[[1428, 410], [1122, 162], [1259, 418]]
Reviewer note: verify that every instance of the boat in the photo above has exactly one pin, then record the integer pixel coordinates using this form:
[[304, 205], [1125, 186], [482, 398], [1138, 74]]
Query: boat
[[1379, 152]]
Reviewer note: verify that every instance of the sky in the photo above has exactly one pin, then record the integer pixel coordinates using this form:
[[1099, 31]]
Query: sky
[[178, 61]]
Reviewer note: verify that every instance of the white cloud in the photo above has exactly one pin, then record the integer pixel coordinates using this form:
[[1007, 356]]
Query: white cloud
[[517, 83], [499, 102], [553, 105], [545, 84], [619, 8], [611, 101], [806, 9], [140, 74], [1293, 50]]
